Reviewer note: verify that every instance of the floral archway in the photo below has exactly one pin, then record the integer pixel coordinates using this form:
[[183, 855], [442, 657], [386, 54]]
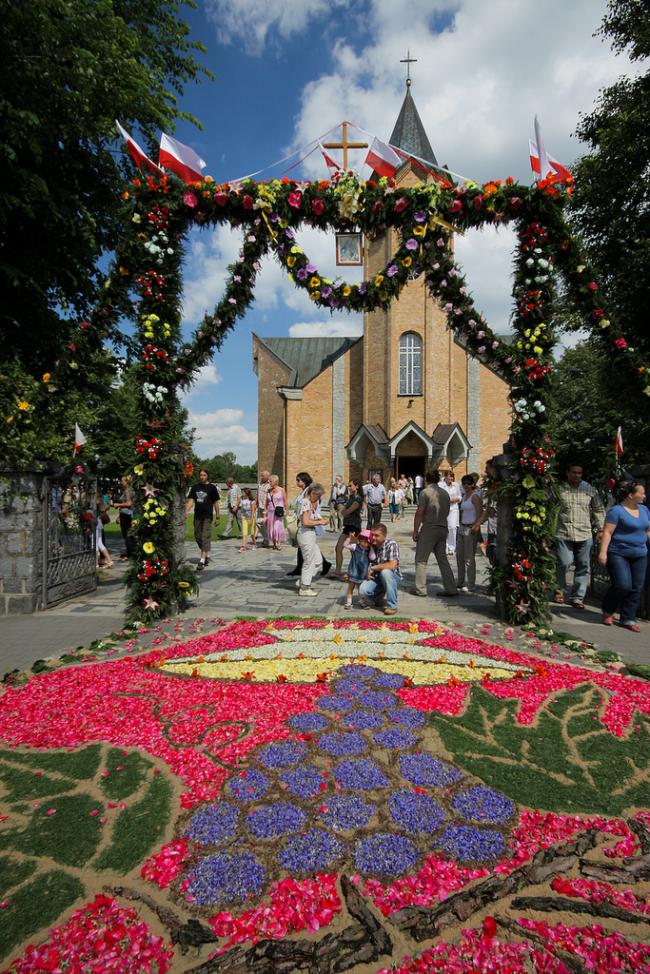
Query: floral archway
[[146, 286]]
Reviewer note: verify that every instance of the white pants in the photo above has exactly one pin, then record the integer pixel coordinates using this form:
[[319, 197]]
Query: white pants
[[311, 555], [452, 530]]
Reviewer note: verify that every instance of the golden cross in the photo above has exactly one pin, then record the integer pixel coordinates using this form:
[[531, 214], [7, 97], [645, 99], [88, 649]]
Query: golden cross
[[345, 145]]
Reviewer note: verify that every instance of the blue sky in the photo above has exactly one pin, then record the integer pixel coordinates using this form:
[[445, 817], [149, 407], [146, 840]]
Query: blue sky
[[287, 72]]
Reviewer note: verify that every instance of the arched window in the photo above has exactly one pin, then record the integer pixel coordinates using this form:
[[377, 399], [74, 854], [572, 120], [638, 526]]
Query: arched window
[[410, 364]]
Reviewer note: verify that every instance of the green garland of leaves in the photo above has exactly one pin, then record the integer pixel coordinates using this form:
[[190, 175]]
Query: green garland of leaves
[[146, 285]]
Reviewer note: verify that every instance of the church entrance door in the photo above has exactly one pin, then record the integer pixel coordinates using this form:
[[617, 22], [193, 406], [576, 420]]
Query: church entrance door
[[410, 466]]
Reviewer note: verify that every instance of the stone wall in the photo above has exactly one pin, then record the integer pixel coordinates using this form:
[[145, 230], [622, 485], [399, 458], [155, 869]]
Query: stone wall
[[21, 542]]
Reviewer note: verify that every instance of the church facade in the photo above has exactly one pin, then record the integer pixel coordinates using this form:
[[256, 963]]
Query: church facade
[[403, 397]]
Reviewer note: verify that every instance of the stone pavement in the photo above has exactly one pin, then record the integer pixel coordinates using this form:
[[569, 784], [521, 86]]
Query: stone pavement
[[256, 583]]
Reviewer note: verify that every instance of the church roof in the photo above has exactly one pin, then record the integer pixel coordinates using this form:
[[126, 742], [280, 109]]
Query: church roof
[[409, 134], [307, 357]]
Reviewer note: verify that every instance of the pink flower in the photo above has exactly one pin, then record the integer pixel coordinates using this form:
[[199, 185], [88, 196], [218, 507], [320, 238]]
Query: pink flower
[[592, 286], [317, 207], [401, 204], [620, 343], [189, 198], [294, 199]]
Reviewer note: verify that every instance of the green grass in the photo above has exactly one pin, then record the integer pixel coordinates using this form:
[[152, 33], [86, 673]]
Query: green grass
[[112, 530], [36, 904], [25, 785], [138, 828], [121, 784], [77, 764], [70, 836], [13, 872]]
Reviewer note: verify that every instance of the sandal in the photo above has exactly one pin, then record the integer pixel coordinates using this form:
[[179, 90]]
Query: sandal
[[632, 626]]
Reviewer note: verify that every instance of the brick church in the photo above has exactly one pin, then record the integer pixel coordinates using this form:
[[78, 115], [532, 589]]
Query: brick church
[[403, 397]]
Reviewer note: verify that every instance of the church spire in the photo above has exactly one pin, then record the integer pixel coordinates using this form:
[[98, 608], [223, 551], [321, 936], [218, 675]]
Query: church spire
[[409, 134]]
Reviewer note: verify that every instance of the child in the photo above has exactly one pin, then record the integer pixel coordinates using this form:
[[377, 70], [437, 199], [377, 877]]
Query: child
[[362, 555], [247, 507]]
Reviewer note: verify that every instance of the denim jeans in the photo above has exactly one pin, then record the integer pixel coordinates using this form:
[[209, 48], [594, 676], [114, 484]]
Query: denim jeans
[[386, 582], [628, 576], [576, 553]]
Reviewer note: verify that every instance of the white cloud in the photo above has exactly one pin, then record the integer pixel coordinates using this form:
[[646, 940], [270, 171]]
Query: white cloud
[[253, 22], [222, 431], [352, 327], [205, 377]]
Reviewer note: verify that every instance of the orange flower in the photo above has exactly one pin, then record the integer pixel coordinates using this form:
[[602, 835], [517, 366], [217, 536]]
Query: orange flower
[[194, 672], [281, 678], [321, 677], [46, 376], [250, 675], [125, 194], [489, 189]]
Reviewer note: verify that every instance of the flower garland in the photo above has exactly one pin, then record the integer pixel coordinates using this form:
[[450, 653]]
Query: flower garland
[[147, 283]]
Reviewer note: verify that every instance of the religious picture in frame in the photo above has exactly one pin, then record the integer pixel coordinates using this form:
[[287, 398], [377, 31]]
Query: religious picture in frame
[[348, 250]]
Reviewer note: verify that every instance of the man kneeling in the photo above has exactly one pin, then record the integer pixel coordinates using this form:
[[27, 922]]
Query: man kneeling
[[384, 574]]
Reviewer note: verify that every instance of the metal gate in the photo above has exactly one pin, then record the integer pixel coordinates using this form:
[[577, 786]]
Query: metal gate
[[68, 538]]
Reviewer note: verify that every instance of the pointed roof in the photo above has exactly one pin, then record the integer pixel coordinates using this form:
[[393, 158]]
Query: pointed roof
[[409, 134], [307, 357]]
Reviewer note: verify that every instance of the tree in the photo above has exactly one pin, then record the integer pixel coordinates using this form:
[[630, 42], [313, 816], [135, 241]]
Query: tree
[[611, 204], [69, 69], [587, 406], [225, 465]]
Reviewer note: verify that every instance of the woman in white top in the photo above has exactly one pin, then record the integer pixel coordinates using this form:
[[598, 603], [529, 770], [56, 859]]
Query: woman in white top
[[449, 484], [310, 525], [471, 515]]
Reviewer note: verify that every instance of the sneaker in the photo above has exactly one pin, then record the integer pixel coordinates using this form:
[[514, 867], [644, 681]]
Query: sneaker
[[463, 588], [200, 566], [414, 591], [577, 604], [348, 604], [307, 592], [390, 612]]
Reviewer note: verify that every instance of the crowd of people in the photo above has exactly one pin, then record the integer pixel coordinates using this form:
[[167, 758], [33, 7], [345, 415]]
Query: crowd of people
[[449, 522]]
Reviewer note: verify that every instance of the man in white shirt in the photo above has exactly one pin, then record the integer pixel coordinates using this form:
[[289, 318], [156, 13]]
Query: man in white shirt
[[233, 499], [419, 485], [376, 498]]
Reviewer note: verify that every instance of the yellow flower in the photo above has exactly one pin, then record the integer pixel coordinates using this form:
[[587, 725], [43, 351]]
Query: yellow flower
[[47, 376], [407, 262], [538, 349], [379, 279], [315, 295], [183, 584], [296, 250], [419, 231], [347, 290], [291, 261], [315, 282], [23, 405], [148, 547], [10, 419], [138, 469]]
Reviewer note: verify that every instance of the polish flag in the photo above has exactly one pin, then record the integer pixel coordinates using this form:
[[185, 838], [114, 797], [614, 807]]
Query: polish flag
[[382, 159], [329, 162], [79, 440], [556, 170], [140, 158], [618, 443], [180, 159]]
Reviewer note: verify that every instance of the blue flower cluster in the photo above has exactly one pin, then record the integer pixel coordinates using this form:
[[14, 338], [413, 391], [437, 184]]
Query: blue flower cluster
[[395, 737], [337, 703], [270, 821], [480, 804], [358, 671], [306, 723], [282, 754], [407, 717], [364, 719], [344, 812], [303, 782], [249, 786], [360, 774], [422, 769], [389, 681], [311, 853], [348, 685], [377, 700], [385, 854], [214, 824], [340, 744], [225, 878], [416, 813], [468, 844]]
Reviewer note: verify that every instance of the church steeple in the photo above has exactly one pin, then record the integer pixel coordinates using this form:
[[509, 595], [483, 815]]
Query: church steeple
[[409, 134]]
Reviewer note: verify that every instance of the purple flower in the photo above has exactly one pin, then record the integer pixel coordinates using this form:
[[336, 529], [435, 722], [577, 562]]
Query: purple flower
[[411, 244], [303, 782], [280, 818], [363, 287], [415, 813], [214, 824], [340, 744], [346, 812], [465, 843], [407, 717], [422, 769], [326, 291], [311, 268], [302, 274], [224, 878], [348, 686], [440, 242], [362, 719], [377, 699], [311, 853], [389, 681], [333, 702], [395, 737], [420, 216], [308, 722], [385, 854], [391, 270], [483, 805], [249, 786], [358, 671], [282, 754], [359, 774]]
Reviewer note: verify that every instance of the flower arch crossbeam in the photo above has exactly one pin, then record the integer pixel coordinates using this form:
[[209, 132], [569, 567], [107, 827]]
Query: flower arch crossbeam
[[146, 285]]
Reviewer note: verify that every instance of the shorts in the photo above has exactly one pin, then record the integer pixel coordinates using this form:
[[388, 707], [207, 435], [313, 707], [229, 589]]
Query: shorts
[[203, 532]]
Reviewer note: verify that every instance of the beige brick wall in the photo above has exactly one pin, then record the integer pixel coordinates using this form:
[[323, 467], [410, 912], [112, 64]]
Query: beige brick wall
[[271, 373], [496, 416], [309, 432]]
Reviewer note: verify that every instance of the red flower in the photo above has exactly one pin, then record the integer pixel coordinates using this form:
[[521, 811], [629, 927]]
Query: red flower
[[592, 286], [401, 204], [317, 207], [489, 927], [221, 199], [294, 199], [247, 202], [478, 202], [455, 207], [620, 343]]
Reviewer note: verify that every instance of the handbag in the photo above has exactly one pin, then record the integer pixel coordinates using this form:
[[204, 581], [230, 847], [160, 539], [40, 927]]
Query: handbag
[[279, 511]]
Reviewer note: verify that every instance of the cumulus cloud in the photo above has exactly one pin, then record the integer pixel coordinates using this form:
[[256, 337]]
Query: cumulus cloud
[[205, 377], [254, 22], [351, 327], [221, 431]]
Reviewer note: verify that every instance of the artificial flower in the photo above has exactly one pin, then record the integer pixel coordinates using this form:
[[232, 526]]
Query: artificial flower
[[148, 547]]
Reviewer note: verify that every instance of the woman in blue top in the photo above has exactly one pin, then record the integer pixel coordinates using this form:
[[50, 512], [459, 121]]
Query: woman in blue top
[[624, 549]]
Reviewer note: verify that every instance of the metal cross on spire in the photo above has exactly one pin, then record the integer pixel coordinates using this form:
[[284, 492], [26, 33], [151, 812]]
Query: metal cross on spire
[[408, 61]]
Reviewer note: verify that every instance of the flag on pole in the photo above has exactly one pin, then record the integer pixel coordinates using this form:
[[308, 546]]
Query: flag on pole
[[140, 158], [382, 159], [180, 159], [618, 443], [329, 162], [79, 440], [544, 164], [558, 172]]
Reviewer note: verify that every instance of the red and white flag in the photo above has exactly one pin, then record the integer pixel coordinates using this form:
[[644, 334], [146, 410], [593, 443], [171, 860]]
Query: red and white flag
[[79, 439], [140, 158], [618, 443], [329, 162], [180, 159], [382, 159], [556, 169]]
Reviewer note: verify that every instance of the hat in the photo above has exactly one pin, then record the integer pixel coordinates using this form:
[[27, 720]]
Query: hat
[[365, 534]]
